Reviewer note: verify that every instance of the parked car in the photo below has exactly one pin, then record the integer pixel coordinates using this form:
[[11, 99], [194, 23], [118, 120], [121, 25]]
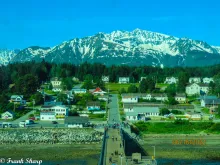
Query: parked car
[[6, 125], [54, 122]]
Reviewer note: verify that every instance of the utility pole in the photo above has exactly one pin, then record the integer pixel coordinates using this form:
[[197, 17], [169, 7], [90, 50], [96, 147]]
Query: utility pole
[[33, 104], [154, 151]]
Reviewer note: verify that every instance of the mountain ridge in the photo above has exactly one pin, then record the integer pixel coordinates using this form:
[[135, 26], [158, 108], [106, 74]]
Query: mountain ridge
[[137, 47]]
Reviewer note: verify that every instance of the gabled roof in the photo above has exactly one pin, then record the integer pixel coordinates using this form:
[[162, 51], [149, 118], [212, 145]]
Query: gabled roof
[[9, 111], [76, 120], [15, 96], [52, 103], [98, 90], [208, 97], [53, 106], [137, 110], [142, 104], [199, 84], [212, 101], [146, 109]]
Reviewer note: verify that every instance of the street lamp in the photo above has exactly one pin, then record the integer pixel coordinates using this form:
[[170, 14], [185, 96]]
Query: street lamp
[[121, 159], [154, 151]]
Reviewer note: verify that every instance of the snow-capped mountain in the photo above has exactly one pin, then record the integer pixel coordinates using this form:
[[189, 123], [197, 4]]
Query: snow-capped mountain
[[7, 55], [138, 47]]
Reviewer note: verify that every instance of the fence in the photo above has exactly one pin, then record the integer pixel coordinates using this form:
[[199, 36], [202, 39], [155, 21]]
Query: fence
[[102, 155]]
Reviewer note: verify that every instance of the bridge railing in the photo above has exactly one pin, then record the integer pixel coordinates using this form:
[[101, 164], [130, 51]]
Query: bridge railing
[[103, 151]]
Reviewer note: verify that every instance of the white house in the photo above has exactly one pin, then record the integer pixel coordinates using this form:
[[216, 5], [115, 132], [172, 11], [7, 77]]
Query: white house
[[7, 115], [142, 79], [57, 89], [196, 89], [129, 98], [141, 113], [56, 82], [123, 80], [156, 96], [171, 80], [57, 111], [194, 80], [16, 98], [207, 80], [180, 97], [79, 91], [47, 116], [105, 79], [76, 121], [196, 117]]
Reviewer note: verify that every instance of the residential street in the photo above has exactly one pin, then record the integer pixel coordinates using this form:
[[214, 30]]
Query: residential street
[[114, 141], [114, 116]]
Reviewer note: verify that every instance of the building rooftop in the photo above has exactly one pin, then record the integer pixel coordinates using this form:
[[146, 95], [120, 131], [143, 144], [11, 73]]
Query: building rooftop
[[76, 120], [93, 103], [52, 103], [137, 110]]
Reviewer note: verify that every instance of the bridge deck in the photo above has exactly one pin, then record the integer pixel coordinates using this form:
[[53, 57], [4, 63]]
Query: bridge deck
[[113, 146]]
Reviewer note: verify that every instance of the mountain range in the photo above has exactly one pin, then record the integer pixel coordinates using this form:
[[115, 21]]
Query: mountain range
[[138, 47]]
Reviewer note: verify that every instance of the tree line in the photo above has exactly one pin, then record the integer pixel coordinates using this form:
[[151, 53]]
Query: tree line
[[28, 76]]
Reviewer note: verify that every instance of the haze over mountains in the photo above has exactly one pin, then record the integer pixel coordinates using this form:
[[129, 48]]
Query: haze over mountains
[[138, 47]]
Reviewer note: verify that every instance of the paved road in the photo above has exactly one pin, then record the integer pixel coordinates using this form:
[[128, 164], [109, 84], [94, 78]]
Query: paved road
[[114, 115], [114, 145]]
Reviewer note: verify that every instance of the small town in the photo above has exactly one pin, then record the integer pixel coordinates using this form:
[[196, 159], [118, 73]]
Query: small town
[[70, 110], [109, 82]]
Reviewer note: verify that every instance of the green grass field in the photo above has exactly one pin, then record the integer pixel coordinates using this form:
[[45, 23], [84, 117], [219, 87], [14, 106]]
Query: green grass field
[[115, 87], [170, 128], [205, 110], [161, 85]]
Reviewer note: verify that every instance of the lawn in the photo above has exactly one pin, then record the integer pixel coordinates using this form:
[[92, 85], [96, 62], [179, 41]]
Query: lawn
[[161, 85], [50, 92], [171, 127], [115, 87], [205, 110]]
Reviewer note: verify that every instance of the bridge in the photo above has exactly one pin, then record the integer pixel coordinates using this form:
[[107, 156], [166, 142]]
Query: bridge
[[118, 146]]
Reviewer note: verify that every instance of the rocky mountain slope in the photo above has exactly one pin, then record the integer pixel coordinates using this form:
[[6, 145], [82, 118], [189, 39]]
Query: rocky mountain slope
[[138, 47]]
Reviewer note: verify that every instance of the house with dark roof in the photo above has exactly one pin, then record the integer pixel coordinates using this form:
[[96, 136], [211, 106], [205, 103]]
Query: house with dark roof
[[197, 89], [207, 102], [180, 97], [76, 121]]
